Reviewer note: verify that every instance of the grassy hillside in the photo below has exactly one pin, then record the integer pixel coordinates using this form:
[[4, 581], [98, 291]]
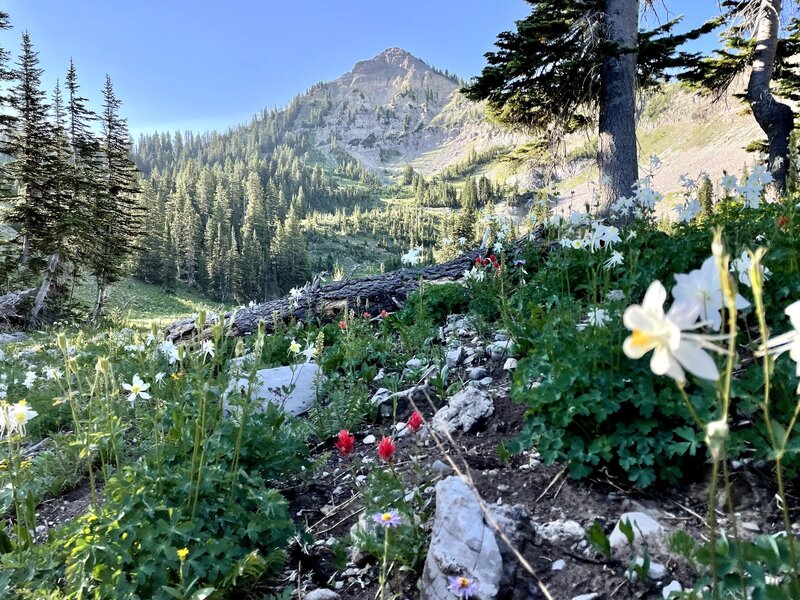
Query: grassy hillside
[[140, 303]]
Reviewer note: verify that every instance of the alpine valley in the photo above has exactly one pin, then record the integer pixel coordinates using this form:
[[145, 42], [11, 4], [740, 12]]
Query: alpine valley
[[388, 156]]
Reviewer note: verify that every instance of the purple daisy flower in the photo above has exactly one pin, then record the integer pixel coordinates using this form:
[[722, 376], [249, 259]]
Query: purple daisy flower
[[520, 261], [390, 518], [463, 587]]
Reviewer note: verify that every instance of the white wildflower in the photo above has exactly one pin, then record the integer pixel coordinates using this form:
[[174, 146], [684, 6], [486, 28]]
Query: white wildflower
[[137, 389], [615, 295], [207, 349], [703, 285], [413, 257], [673, 351], [614, 260], [741, 266]]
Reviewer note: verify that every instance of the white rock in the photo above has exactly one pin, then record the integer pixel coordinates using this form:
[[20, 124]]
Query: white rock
[[454, 357], [322, 594], [303, 381], [381, 396], [672, 586], [441, 468], [591, 596], [500, 350], [510, 364], [557, 532], [643, 525], [477, 373], [400, 426], [558, 565], [655, 571], [414, 363], [461, 542], [370, 439], [465, 411]]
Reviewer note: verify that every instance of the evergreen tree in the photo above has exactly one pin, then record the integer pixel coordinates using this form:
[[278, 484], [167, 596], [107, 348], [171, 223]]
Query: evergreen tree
[[29, 140], [571, 60], [84, 171], [151, 264], [705, 195], [116, 213], [753, 45]]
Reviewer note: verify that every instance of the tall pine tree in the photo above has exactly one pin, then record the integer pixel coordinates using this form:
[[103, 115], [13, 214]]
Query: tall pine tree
[[116, 213], [573, 63]]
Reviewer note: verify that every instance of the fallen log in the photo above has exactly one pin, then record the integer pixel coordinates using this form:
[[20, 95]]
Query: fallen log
[[11, 302], [374, 293]]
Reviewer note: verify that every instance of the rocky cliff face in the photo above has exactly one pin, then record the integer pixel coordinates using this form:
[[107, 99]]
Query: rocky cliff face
[[395, 109]]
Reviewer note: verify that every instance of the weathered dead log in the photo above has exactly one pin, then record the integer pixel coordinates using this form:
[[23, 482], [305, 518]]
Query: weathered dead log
[[11, 304], [374, 293]]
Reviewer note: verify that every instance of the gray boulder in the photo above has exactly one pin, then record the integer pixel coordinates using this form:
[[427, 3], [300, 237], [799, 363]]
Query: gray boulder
[[269, 388], [461, 544], [643, 526], [500, 350], [322, 594], [465, 411]]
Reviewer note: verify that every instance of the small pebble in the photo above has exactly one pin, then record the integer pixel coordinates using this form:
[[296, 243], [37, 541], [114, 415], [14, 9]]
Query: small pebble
[[558, 565], [673, 586], [370, 439]]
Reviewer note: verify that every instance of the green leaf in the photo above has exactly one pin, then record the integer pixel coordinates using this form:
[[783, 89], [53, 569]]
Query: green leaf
[[599, 540], [627, 530]]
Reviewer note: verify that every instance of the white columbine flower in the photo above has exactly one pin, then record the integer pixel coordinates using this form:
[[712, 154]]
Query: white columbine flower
[[729, 183], [137, 389], [19, 415], [294, 347], [688, 211], [615, 295], [207, 349], [52, 373], [294, 297], [741, 266], [673, 351], [30, 378], [462, 240], [169, 350], [474, 274], [789, 341], [703, 285], [615, 259], [413, 257], [310, 352], [498, 247], [598, 317], [159, 378], [576, 244]]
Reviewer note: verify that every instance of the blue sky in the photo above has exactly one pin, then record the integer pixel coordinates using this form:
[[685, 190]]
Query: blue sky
[[203, 64]]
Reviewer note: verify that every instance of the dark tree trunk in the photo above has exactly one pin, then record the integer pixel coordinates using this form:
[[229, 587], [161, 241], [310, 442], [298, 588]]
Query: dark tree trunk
[[44, 289], [617, 160], [775, 118]]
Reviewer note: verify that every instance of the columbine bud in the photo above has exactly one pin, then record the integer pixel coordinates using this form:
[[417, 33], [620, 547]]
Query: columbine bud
[[61, 340], [717, 248], [102, 365], [201, 320], [716, 436]]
